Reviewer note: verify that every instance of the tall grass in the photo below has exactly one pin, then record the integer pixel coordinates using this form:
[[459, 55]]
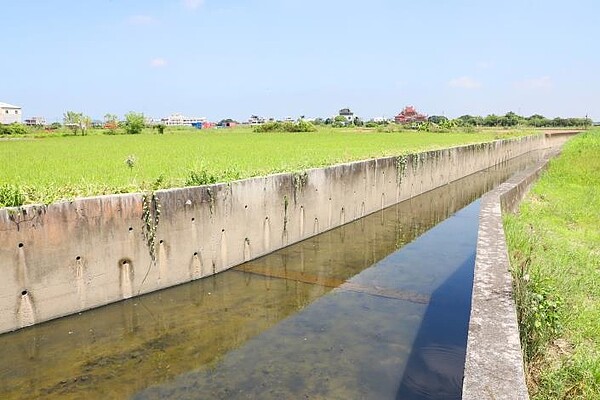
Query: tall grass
[[554, 243]]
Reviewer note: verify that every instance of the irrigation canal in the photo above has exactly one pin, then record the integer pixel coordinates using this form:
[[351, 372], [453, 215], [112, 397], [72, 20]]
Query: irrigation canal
[[375, 309]]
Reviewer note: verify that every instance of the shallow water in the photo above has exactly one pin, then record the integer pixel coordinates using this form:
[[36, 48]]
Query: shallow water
[[377, 308]]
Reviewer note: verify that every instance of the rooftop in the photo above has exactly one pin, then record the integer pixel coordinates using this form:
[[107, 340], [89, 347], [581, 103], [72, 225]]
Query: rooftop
[[6, 105]]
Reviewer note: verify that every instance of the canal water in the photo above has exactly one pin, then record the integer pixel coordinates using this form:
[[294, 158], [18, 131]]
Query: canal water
[[376, 309]]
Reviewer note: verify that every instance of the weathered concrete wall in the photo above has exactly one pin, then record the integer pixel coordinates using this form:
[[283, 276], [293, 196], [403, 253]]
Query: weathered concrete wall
[[64, 258], [494, 366]]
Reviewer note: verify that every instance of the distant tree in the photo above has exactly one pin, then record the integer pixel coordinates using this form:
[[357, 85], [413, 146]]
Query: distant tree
[[160, 128], [491, 120], [437, 119], [510, 119], [537, 121], [134, 123], [470, 120], [536, 116], [111, 122], [84, 124], [357, 121], [55, 125], [73, 120], [318, 121], [328, 121]]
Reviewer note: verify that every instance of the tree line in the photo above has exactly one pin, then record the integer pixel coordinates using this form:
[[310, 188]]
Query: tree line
[[512, 119]]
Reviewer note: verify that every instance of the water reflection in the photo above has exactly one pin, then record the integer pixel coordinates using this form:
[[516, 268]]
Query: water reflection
[[332, 317]]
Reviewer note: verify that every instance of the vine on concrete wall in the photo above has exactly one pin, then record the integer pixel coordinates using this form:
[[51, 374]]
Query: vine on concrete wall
[[299, 179], [150, 218], [285, 213], [211, 201], [401, 162], [18, 215]]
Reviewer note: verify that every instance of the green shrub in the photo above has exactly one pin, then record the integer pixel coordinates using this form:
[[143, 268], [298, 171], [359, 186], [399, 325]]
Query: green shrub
[[11, 196], [300, 126], [199, 178], [13, 129], [134, 123]]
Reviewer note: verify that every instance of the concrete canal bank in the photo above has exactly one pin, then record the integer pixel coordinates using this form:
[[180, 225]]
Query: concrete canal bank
[[67, 257], [494, 366]]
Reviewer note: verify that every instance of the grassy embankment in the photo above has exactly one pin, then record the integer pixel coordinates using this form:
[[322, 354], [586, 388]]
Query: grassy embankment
[[50, 167], [554, 243]]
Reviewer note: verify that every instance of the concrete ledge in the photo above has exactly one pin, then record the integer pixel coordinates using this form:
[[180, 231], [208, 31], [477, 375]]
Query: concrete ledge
[[494, 366]]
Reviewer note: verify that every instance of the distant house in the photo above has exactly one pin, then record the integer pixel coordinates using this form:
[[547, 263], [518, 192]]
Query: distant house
[[10, 114], [409, 115], [227, 123], [346, 113], [35, 121], [178, 119], [256, 120]]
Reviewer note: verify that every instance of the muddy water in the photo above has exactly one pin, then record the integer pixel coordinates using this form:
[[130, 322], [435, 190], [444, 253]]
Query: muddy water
[[376, 309]]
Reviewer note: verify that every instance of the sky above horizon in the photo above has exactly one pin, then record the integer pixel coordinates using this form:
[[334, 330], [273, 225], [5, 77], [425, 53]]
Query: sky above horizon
[[276, 58]]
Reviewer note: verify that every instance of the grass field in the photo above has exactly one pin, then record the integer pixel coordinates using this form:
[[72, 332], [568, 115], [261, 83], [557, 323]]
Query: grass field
[[44, 170], [554, 243]]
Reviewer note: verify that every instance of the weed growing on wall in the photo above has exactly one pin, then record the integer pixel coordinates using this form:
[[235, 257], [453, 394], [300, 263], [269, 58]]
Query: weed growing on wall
[[401, 162], [10, 195], [199, 178], [150, 219]]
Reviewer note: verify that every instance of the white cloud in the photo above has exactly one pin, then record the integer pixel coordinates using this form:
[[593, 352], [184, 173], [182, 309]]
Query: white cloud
[[543, 82], [141, 20], [193, 4], [464, 82], [158, 62]]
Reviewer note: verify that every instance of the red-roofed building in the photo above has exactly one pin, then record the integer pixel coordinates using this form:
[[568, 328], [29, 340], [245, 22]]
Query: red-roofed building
[[409, 115]]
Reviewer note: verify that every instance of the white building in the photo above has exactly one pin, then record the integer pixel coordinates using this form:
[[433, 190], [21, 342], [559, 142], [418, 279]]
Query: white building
[[10, 114], [180, 120], [347, 114], [256, 120], [35, 121]]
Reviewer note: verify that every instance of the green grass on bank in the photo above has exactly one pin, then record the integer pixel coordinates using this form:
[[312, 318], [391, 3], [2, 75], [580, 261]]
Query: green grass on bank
[[554, 243], [58, 167]]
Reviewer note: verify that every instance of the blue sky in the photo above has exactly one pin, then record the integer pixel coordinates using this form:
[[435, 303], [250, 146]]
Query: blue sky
[[233, 58]]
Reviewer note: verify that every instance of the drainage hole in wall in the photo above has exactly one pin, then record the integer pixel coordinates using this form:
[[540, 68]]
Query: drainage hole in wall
[[78, 258], [124, 262], [246, 206], [24, 293], [130, 228], [222, 230], [196, 254], [161, 241], [193, 219], [20, 244]]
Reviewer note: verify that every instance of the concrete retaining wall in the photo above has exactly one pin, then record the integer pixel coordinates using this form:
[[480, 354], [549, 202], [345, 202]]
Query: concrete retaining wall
[[67, 257], [494, 366]]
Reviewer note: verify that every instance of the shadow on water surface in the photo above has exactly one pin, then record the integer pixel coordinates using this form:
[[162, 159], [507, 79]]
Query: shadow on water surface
[[356, 299], [436, 362]]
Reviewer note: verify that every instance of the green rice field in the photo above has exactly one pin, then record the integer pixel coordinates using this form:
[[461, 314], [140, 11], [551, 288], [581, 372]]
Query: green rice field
[[49, 169]]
